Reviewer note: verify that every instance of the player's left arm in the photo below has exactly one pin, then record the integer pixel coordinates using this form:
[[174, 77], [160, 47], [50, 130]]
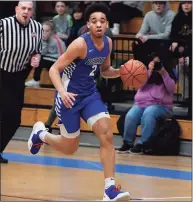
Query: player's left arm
[[106, 70]]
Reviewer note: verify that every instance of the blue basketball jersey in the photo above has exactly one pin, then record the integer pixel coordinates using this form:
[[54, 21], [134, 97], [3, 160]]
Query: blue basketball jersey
[[78, 77]]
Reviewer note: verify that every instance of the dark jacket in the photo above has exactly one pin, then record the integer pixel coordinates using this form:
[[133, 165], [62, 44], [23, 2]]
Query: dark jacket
[[182, 27]]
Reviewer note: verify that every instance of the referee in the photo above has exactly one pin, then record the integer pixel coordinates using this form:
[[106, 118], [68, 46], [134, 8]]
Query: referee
[[20, 47]]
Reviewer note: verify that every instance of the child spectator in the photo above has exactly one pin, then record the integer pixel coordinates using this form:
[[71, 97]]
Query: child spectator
[[53, 47], [62, 21]]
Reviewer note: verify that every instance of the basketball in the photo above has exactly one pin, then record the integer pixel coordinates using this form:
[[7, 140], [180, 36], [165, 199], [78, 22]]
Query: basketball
[[134, 74]]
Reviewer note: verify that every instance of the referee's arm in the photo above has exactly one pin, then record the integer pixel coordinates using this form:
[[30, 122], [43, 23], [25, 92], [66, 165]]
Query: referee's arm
[[35, 61], [39, 48], [1, 30]]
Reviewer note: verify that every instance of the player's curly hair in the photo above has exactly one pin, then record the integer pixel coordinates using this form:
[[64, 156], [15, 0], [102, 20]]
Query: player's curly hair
[[96, 7]]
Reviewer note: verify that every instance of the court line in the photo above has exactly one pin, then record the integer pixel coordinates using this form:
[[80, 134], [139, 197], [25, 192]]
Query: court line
[[132, 199], [83, 164], [35, 199], [21, 197], [165, 198]]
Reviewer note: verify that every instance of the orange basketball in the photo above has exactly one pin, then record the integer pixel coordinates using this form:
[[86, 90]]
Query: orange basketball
[[134, 73]]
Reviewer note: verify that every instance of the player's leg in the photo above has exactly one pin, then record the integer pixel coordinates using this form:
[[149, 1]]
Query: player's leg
[[102, 129], [97, 117], [67, 142]]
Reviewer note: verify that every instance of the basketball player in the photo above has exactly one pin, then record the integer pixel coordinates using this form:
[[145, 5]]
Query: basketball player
[[77, 96]]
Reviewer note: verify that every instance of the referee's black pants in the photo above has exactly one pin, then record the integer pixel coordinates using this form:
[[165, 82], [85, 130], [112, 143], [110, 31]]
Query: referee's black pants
[[12, 99], [43, 64]]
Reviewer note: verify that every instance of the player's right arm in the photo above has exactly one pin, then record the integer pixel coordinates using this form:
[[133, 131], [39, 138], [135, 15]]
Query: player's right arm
[[77, 49]]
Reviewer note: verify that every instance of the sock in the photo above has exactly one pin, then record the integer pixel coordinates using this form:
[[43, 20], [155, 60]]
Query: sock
[[42, 135], [109, 181]]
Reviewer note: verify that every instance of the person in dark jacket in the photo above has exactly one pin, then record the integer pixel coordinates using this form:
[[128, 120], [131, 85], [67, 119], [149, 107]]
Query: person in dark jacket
[[181, 31], [78, 22], [181, 47]]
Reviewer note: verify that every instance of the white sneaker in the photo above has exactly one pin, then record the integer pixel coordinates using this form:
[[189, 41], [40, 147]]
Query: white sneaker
[[34, 142], [32, 83], [115, 194]]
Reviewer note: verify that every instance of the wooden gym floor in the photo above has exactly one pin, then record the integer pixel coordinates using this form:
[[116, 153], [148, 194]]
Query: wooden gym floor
[[51, 176]]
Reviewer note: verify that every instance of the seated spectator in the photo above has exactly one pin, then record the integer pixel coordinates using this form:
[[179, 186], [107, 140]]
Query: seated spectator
[[62, 21], [154, 99], [181, 48], [123, 11], [78, 22], [156, 25], [52, 48], [51, 118], [181, 31]]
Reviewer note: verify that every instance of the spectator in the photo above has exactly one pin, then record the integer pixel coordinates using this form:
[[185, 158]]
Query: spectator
[[123, 11], [51, 118], [78, 22], [153, 100], [182, 27], [53, 47], [156, 25], [62, 21], [181, 48]]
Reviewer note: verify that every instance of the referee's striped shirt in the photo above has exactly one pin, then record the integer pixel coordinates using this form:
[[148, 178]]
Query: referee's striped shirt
[[18, 43]]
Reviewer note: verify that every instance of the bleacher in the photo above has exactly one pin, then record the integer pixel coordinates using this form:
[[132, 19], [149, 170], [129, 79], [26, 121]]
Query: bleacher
[[38, 101]]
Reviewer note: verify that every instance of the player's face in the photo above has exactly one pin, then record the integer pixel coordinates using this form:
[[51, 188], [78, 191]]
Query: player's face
[[158, 7], [187, 6], [47, 32], [61, 8], [97, 24], [24, 12]]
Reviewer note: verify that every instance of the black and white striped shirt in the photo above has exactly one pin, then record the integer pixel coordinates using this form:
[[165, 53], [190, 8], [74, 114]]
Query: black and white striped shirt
[[18, 43]]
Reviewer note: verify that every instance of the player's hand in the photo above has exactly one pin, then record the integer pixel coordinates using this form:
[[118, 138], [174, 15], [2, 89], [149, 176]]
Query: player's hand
[[68, 99], [151, 65]]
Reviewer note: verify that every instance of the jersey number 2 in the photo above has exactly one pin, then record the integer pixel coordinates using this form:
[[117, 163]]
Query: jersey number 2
[[94, 67]]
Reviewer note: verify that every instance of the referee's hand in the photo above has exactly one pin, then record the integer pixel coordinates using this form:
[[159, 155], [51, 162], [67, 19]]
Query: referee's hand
[[35, 60]]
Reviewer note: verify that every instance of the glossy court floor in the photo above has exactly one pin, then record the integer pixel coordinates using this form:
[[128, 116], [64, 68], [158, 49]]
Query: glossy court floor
[[51, 176]]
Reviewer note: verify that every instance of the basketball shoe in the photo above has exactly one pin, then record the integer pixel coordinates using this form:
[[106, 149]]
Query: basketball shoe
[[114, 193], [34, 142]]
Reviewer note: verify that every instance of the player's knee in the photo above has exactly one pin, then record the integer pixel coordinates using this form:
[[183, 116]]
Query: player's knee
[[69, 145], [70, 151], [106, 136]]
